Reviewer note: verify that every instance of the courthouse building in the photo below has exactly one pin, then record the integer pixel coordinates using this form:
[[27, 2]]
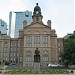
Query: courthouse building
[[36, 35]]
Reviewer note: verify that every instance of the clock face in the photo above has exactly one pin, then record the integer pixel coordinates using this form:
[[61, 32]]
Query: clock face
[[37, 12]]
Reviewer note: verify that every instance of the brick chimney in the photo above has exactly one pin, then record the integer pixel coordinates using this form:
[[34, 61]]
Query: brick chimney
[[49, 23]]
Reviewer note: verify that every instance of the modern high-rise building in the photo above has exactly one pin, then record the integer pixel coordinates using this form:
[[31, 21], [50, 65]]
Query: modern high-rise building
[[16, 22], [3, 27]]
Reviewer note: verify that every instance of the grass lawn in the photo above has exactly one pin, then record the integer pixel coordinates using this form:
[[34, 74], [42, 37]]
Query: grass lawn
[[42, 71]]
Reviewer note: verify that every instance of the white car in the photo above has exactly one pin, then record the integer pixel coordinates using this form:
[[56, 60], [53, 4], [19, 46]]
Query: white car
[[53, 65], [60, 65]]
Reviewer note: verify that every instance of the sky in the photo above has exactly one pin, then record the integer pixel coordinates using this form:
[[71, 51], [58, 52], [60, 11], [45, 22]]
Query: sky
[[60, 12]]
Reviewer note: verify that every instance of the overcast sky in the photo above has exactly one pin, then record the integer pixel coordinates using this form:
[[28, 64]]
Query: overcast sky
[[60, 12]]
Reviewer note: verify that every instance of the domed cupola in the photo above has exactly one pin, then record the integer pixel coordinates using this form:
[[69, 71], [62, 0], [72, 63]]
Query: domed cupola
[[37, 9], [37, 17]]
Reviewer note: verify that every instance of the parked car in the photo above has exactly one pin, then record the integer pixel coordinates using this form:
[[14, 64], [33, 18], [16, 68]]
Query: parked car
[[55, 65], [60, 65], [15, 65], [12, 65], [52, 65]]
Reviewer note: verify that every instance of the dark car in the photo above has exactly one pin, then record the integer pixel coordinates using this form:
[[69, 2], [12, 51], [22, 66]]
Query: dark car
[[13, 65]]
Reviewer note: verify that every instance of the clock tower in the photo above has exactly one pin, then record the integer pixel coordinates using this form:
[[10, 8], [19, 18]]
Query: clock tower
[[37, 17]]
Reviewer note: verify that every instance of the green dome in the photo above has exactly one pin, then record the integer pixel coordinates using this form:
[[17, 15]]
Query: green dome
[[37, 8]]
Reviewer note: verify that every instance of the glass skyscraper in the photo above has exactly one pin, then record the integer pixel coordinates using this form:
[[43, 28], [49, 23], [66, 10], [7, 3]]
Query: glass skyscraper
[[16, 22], [3, 27]]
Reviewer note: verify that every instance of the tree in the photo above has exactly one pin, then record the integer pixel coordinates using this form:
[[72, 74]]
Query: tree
[[68, 54]]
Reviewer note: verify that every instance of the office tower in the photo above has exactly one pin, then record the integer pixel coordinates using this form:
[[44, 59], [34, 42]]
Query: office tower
[[16, 22], [3, 27]]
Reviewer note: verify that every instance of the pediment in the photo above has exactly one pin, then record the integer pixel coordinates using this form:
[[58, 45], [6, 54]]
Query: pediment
[[37, 25]]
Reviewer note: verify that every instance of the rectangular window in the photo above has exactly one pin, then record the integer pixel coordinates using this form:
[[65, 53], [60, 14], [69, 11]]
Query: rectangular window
[[11, 49], [29, 41], [37, 45], [5, 43], [15, 49], [20, 59], [11, 44], [45, 41], [11, 60], [14, 59], [45, 58], [5, 49], [29, 45], [45, 45], [59, 49], [17, 54], [14, 54], [6, 59], [15, 44], [11, 54], [4, 54], [37, 41], [58, 44], [28, 58]]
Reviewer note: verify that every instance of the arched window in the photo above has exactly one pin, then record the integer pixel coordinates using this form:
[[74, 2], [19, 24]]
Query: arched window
[[28, 56], [45, 56]]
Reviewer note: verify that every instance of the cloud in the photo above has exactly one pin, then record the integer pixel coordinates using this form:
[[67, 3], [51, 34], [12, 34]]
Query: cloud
[[61, 12]]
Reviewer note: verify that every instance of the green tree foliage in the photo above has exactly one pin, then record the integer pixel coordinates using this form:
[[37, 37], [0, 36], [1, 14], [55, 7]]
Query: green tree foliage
[[68, 55]]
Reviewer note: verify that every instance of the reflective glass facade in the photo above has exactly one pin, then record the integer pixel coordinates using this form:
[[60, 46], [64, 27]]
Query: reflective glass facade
[[16, 22], [3, 27]]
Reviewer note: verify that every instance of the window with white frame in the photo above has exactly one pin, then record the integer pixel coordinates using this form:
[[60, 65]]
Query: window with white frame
[[5, 43], [6, 59], [45, 56], [37, 41], [4, 54], [28, 41], [11, 54], [28, 56], [11, 49], [37, 45], [11, 59], [5, 49], [20, 59], [14, 54], [59, 49], [14, 59], [58, 44], [45, 41], [11, 44], [17, 53]]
